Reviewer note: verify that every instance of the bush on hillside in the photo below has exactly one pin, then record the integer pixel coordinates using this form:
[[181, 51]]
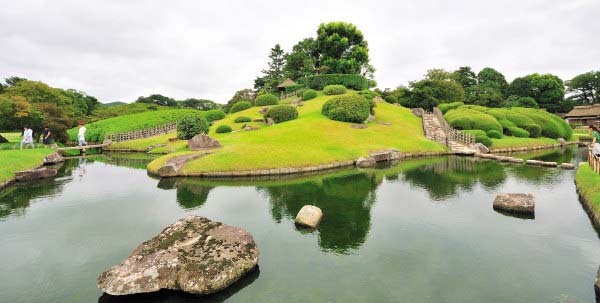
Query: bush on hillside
[[516, 101], [309, 94], [242, 119], [352, 108], [221, 129], [351, 81], [445, 107], [293, 88], [240, 106], [494, 134], [480, 136], [518, 132], [552, 126], [190, 126], [533, 129], [334, 90], [214, 115], [266, 100], [282, 113], [368, 94], [467, 118]]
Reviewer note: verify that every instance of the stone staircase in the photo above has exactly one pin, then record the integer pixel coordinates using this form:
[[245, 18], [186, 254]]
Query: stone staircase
[[433, 129]]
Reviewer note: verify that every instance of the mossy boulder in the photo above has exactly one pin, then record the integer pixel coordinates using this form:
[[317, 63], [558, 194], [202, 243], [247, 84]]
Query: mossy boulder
[[194, 255]]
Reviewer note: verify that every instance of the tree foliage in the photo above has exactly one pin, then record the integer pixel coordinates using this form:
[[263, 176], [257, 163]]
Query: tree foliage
[[585, 88], [273, 75], [199, 104], [342, 49], [157, 99]]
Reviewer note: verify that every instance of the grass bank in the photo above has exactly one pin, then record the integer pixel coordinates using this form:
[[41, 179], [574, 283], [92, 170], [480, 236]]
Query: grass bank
[[588, 186], [154, 145], [12, 161], [312, 139], [509, 141]]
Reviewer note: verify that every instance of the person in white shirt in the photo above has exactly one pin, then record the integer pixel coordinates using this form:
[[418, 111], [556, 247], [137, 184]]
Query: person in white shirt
[[81, 134], [27, 137]]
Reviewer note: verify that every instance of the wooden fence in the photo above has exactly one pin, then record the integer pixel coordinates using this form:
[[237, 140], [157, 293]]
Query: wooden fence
[[144, 133], [453, 134], [594, 162]]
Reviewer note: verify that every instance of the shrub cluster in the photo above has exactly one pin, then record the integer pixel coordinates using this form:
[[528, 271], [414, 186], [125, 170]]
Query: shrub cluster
[[266, 100], [214, 115], [494, 134], [293, 88], [352, 108], [516, 121], [368, 94], [240, 106], [221, 129], [480, 136], [242, 119], [309, 94], [444, 107], [190, 126], [352, 81], [282, 113], [334, 89]]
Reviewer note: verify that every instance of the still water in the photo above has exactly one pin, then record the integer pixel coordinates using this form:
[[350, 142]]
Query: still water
[[420, 231]]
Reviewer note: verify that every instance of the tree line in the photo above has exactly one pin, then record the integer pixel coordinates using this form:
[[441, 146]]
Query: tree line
[[490, 88]]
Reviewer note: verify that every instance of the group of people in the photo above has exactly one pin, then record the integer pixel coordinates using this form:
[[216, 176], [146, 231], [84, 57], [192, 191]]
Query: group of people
[[595, 132], [46, 140]]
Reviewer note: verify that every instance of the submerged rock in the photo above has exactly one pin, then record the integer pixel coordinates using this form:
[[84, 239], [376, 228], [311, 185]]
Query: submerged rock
[[520, 203], [34, 174], [365, 162], [309, 216], [203, 142], [194, 255]]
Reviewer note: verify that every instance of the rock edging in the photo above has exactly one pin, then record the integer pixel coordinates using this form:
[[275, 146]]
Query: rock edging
[[529, 148]]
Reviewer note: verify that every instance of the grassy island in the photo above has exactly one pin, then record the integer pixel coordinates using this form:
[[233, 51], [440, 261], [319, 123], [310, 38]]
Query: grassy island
[[12, 161]]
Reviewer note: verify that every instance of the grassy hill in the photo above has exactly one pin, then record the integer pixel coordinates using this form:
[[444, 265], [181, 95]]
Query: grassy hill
[[97, 130], [311, 139]]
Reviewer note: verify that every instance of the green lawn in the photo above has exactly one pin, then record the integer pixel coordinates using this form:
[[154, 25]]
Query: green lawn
[[588, 183], [312, 139], [508, 141], [143, 145], [12, 161]]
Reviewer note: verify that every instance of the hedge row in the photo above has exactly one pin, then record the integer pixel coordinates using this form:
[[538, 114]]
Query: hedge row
[[352, 81]]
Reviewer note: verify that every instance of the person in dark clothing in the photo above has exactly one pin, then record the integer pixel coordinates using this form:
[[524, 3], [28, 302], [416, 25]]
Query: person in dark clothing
[[46, 137]]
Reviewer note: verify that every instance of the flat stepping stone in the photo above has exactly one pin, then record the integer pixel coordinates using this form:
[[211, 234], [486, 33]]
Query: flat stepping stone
[[534, 162], [518, 203], [358, 126], [549, 164], [567, 165], [516, 160]]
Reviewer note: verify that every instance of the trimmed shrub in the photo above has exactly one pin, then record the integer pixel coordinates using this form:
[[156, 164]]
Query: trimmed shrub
[[368, 94], [445, 107], [353, 108], [266, 100], [309, 94], [214, 115], [506, 124], [518, 132], [467, 118], [480, 136], [494, 134], [282, 113], [240, 106], [552, 126], [533, 129], [293, 88], [242, 119], [334, 90], [221, 129], [190, 126], [352, 81]]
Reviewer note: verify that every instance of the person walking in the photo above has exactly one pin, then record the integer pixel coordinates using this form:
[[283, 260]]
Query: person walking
[[81, 136], [27, 137], [595, 132], [46, 136]]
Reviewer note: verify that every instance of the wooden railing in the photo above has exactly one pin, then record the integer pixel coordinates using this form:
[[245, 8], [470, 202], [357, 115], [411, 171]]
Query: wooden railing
[[453, 134], [594, 162], [144, 133]]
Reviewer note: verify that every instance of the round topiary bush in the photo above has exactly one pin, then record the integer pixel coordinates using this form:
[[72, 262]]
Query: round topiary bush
[[353, 108], [190, 126], [494, 134], [242, 119], [335, 89], [221, 129], [282, 113], [445, 107], [240, 106], [214, 115], [518, 132], [533, 129], [480, 136], [309, 94], [266, 100]]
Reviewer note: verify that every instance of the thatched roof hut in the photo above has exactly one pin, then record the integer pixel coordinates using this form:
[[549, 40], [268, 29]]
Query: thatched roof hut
[[587, 115], [287, 82]]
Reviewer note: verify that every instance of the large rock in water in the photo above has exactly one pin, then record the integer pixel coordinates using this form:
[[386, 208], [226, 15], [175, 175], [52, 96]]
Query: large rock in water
[[309, 216], [519, 203], [34, 174], [202, 141], [365, 162], [54, 158], [194, 255]]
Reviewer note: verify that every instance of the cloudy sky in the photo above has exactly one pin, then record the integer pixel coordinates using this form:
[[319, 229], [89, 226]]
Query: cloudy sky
[[119, 50]]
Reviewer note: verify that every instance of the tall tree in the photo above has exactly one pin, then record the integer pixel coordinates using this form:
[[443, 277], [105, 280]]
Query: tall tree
[[301, 61], [465, 77], [273, 75], [585, 88], [492, 79], [342, 49], [200, 104], [547, 90]]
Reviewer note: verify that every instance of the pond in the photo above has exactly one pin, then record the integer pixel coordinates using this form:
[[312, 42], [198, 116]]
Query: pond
[[420, 231]]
